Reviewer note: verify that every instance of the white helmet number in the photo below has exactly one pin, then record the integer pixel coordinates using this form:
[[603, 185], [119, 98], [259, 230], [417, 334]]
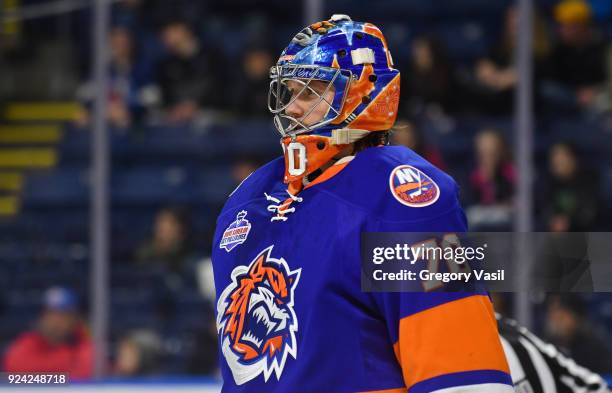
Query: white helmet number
[[296, 154]]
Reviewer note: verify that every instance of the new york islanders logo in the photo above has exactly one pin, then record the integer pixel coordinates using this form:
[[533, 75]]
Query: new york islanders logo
[[411, 187], [256, 321], [236, 233]]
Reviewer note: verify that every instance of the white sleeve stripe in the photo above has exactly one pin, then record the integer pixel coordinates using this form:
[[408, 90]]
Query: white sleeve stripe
[[480, 388], [516, 370], [546, 378]]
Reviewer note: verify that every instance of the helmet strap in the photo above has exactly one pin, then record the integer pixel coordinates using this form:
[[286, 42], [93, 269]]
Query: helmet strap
[[305, 154], [345, 136]]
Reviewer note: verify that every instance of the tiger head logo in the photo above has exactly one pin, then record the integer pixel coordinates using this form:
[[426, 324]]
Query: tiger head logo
[[256, 321]]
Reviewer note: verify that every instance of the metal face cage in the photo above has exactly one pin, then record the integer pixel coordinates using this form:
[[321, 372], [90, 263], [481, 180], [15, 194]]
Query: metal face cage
[[281, 97]]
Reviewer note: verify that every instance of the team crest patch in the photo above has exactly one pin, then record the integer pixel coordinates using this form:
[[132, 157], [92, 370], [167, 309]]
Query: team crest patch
[[411, 187], [236, 233], [256, 321]]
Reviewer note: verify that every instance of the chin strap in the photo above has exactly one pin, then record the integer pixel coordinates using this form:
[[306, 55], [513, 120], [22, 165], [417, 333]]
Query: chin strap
[[305, 154]]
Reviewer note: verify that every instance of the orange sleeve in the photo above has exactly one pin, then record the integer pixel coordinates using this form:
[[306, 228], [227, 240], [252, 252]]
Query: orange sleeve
[[454, 337]]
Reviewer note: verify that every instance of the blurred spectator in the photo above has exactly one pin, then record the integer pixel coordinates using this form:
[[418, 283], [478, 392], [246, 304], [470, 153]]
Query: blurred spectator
[[138, 354], [250, 95], [171, 241], [428, 79], [405, 133], [496, 74], [571, 193], [491, 183], [492, 180], [60, 342], [122, 56], [130, 89], [568, 327], [129, 80], [578, 60], [190, 77]]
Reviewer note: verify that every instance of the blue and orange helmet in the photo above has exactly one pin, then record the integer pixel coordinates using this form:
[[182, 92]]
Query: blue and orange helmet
[[361, 93], [353, 57]]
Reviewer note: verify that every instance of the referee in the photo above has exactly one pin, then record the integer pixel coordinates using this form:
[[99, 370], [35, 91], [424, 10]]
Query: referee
[[538, 367]]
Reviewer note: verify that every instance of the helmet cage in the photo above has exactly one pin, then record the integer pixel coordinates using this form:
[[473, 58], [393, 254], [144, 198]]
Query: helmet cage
[[280, 97]]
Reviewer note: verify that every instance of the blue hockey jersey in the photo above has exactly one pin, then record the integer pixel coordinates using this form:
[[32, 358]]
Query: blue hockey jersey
[[291, 315]]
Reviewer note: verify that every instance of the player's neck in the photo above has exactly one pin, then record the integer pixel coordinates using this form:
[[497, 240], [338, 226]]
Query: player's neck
[[344, 153]]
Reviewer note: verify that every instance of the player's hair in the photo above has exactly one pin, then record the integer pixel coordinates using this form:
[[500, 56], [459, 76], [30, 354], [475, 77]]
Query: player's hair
[[373, 139]]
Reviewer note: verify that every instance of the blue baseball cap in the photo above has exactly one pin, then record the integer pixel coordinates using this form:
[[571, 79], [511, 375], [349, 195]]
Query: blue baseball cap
[[60, 299]]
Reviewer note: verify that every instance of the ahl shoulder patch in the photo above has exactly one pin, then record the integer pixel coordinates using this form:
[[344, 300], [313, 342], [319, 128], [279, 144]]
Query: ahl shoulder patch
[[236, 233], [411, 187]]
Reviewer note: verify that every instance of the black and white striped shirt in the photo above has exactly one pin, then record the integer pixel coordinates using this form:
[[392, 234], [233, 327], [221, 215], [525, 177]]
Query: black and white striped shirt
[[539, 367]]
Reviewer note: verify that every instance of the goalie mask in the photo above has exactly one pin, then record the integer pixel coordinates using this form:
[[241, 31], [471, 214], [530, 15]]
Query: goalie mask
[[331, 86]]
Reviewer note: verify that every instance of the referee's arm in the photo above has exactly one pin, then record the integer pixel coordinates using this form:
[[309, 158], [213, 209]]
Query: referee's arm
[[538, 367]]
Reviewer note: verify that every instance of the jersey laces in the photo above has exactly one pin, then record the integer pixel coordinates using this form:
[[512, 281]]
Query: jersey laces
[[280, 208]]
